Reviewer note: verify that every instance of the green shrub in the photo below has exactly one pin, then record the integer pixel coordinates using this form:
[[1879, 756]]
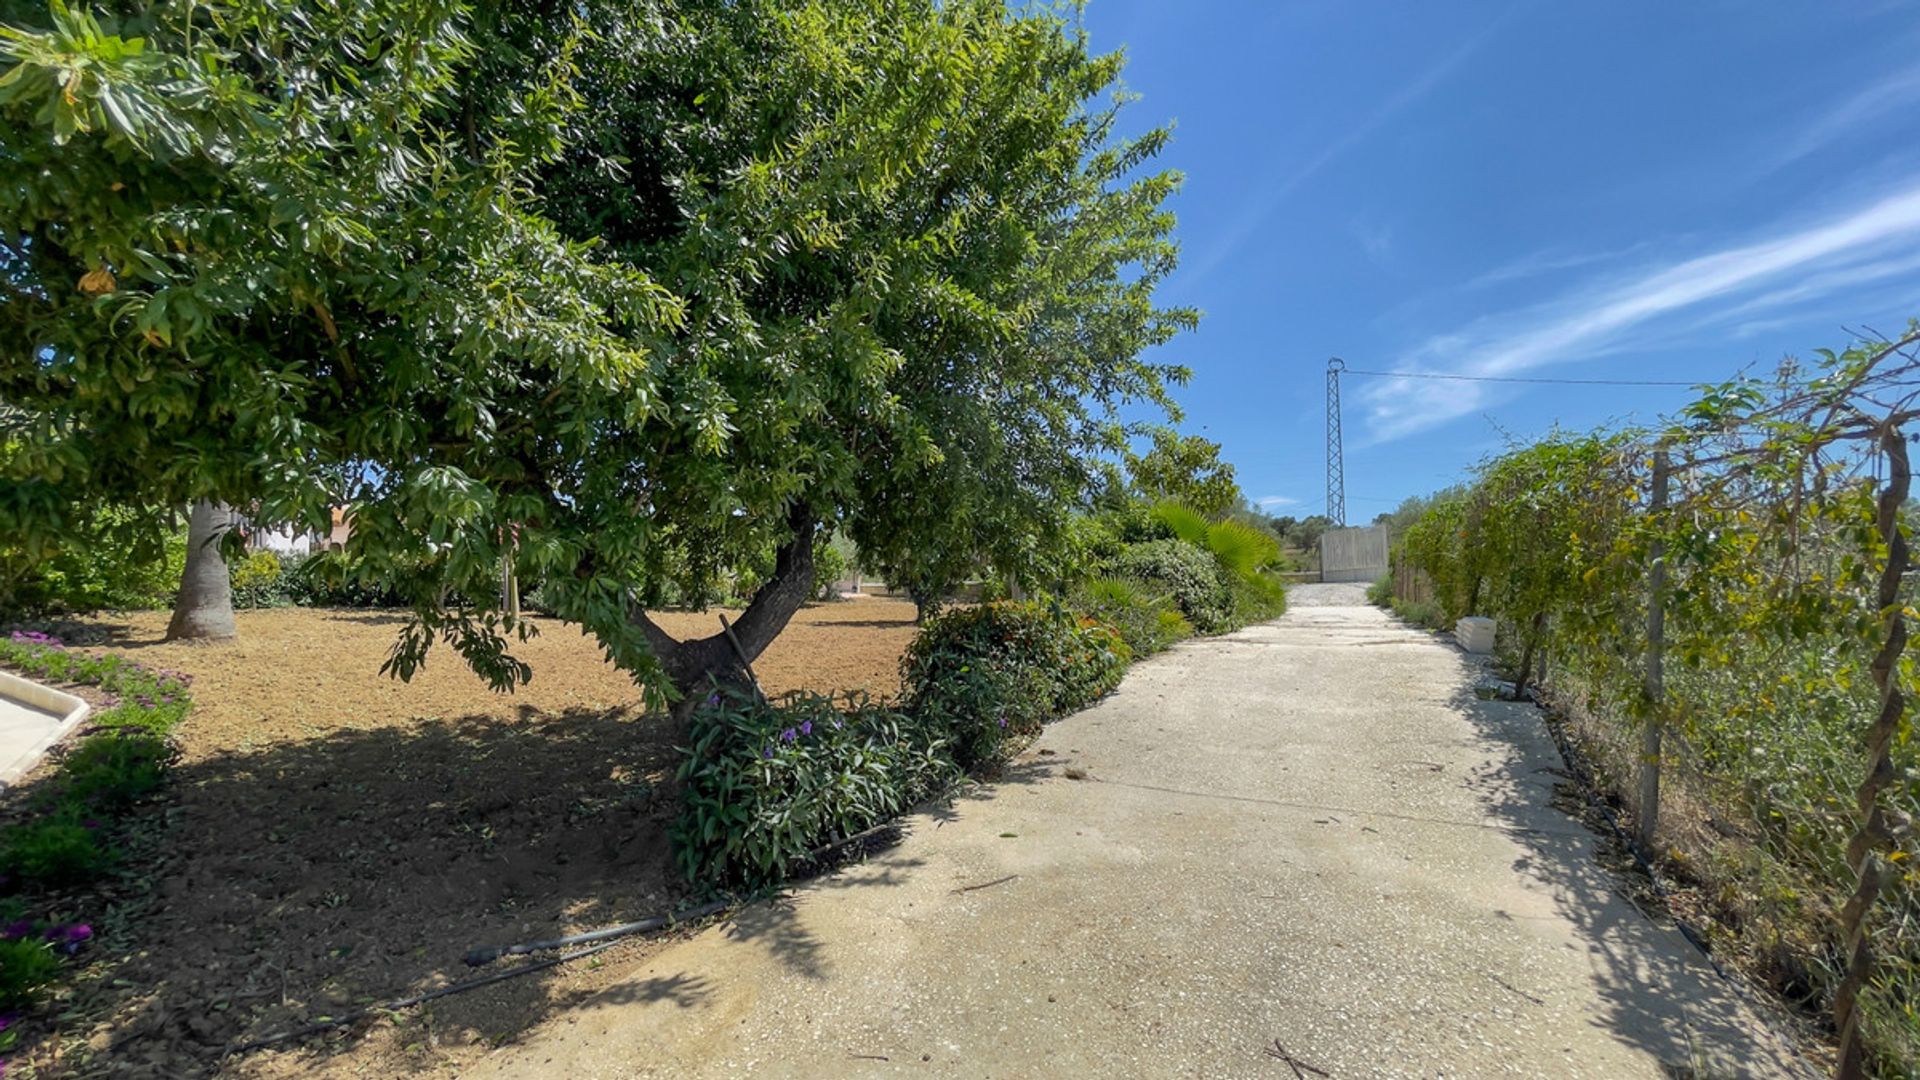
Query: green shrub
[[27, 965], [105, 567], [1380, 593], [829, 566], [994, 673], [328, 579], [113, 771], [1145, 616], [258, 581], [60, 850], [1426, 613], [1190, 575], [765, 785], [1257, 597]]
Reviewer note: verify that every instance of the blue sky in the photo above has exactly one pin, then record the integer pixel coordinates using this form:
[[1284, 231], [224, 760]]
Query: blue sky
[[1651, 191]]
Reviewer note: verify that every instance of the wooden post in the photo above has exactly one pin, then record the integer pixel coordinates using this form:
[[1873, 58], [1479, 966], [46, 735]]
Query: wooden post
[[1877, 830], [1647, 815]]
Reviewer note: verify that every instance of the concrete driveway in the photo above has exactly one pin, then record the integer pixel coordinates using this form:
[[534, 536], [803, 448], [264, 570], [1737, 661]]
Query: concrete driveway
[[1306, 840]]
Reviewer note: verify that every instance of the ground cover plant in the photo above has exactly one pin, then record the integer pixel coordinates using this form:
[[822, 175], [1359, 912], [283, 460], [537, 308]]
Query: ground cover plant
[[768, 784], [62, 835], [1719, 609]]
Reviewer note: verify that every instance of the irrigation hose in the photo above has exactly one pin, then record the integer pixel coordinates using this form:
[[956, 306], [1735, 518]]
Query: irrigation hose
[[486, 954]]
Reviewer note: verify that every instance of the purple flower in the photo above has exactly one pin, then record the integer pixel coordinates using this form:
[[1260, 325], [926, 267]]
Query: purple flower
[[767, 752], [90, 824], [713, 699], [7, 1020], [806, 728], [1003, 721], [16, 929], [789, 735], [68, 939]]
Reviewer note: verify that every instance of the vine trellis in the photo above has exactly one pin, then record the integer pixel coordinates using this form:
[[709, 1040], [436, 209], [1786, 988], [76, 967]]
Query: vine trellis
[[1740, 565]]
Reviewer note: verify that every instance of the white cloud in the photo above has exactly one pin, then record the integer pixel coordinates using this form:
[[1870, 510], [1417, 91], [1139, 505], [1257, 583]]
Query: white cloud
[[1867, 244], [1271, 501]]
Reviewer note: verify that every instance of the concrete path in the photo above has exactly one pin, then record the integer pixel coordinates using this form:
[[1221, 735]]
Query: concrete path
[[1308, 837]]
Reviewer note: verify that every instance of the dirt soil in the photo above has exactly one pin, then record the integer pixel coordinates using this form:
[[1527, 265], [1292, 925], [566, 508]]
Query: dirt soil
[[334, 838]]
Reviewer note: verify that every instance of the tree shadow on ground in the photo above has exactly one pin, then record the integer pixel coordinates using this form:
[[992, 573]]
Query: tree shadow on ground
[[313, 877], [1684, 1014]]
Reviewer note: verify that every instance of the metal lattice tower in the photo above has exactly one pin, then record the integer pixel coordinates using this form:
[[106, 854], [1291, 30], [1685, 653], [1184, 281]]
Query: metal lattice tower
[[1336, 461]]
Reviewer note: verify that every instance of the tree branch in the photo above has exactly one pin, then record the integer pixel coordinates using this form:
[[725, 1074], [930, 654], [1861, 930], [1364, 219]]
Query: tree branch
[[789, 587]]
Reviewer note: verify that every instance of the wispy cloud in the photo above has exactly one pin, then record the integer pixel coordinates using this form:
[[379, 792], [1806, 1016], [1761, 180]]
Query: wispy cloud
[[1892, 95], [1375, 239], [1866, 244], [1543, 263], [1271, 501], [1285, 184]]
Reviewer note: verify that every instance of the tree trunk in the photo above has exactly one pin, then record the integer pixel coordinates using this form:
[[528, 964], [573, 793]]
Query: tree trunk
[[702, 666], [1878, 830], [926, 603], [1527, 646], [204, 609]]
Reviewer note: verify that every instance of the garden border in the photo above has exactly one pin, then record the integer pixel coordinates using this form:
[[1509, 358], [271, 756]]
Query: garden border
[[68, 707]]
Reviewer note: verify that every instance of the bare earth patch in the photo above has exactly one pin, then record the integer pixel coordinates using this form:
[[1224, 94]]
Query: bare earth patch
[[338, 838]]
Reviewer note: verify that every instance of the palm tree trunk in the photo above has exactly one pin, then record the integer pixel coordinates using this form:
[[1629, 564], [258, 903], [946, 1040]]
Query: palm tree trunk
[[204, 609]]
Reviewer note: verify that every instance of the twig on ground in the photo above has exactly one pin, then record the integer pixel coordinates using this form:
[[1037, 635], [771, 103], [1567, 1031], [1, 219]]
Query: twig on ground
[[1509, 986], [986, 884], [1299, 1067]]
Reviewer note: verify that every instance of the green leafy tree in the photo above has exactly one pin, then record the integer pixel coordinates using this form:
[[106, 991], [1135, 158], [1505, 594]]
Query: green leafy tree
[[878, 271], [1185, 469]]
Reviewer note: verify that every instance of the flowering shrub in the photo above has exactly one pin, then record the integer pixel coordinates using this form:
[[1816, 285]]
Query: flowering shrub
[[46, 657], [992, 674], [767, 784]]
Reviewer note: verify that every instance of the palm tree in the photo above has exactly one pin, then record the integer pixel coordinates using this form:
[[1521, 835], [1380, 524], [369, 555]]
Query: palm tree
[[204, 609]]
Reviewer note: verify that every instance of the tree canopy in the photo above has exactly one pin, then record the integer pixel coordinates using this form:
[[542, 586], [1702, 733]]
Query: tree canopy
[[1185, 469], [884, 270]]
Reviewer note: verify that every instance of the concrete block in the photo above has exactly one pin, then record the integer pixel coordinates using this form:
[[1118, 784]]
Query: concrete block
[[1475, 634]]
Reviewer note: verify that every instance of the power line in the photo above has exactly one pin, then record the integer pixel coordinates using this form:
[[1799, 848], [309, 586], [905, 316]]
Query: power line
[[1518, 379]]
